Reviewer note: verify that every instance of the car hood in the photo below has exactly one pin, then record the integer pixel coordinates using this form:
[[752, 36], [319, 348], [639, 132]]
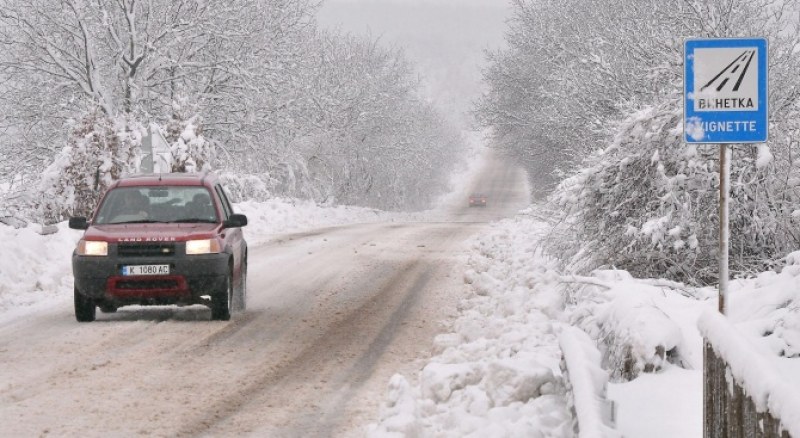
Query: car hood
[[150, 232]]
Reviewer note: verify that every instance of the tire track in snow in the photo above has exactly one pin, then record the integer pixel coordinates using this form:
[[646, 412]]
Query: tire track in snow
[[337, 336]]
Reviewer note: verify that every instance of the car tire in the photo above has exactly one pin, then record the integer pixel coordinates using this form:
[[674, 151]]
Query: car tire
[[221, 301], [85, 308], [240, 303]]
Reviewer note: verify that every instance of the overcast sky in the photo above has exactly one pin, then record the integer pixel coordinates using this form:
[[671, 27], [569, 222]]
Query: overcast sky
[[444, 38]]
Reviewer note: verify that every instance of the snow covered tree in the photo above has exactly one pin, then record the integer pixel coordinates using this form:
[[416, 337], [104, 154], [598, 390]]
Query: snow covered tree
[[574, 69], [307, 113], [584, 77], [191, 152], [99, 150]]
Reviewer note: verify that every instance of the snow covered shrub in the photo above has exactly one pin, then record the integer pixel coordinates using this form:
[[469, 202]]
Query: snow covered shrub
[[98, 151], [634, 330], [649, 204], [247, 187], [191, 151]]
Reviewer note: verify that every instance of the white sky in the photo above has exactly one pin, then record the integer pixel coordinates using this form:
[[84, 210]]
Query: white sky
[[444, 38]]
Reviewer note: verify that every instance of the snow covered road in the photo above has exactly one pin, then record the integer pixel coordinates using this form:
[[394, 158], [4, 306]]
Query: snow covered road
[[332, 314]]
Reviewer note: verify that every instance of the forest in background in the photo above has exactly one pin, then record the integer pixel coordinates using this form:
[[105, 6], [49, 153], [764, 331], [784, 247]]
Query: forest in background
[[254, 90]]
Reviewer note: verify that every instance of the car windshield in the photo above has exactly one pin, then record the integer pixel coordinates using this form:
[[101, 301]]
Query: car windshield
[[125, 205]]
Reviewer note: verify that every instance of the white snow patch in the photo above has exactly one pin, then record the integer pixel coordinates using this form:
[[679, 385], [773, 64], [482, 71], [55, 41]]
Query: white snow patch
[[764, 156]]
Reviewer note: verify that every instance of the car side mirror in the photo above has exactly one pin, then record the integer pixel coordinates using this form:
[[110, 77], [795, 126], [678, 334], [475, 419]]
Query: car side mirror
[[235, 221], [78, 223]]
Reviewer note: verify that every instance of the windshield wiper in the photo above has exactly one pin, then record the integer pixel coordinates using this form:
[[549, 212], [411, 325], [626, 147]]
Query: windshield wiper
[[193, 221], [141, 221]]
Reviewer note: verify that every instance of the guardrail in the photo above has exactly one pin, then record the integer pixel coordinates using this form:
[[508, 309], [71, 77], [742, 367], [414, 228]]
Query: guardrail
[[586, 384], [743, 393]]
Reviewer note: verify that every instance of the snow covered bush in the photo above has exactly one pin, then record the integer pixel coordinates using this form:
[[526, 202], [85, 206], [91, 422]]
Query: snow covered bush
[[608, 76], [573, 69], [247, 187], [191, 151], [768, 307], [99, 150], [649, 204], [621, 314]]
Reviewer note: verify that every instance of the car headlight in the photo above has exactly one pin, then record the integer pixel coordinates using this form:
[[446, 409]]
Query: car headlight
[[92, 248], [205, 246]]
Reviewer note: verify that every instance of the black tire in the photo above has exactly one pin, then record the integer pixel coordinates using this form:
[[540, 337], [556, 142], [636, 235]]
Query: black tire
[[240, 300], [85, 308], [221, 301]]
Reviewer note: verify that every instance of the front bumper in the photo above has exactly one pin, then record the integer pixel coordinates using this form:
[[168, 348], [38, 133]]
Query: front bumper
[[189, 279]]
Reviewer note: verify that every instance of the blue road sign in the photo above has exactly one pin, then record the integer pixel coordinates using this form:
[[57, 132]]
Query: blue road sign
[[725, 90]]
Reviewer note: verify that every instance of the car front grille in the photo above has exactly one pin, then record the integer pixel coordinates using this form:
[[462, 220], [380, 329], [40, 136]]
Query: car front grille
[[145, 249]]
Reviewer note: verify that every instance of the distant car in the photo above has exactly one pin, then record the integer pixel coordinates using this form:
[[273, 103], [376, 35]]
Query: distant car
[[477, 200], [160, 240]]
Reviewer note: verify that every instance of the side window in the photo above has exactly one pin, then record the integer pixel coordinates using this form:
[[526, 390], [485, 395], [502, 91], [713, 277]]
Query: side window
[[226, 206]]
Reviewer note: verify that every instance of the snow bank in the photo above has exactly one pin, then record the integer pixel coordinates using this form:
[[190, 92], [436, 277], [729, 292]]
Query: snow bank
[[499, 363], [498, 372], [34, 268], [767, 307], [504, 352]]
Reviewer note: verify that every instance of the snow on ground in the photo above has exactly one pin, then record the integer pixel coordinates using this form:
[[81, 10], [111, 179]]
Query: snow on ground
[[497, 373]]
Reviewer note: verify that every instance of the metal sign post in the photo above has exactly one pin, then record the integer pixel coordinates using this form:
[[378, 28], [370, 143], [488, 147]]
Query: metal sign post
[[724, 223], [725, 101]]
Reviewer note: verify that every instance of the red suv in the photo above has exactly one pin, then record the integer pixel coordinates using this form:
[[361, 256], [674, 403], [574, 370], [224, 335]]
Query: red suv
[[158, 240]]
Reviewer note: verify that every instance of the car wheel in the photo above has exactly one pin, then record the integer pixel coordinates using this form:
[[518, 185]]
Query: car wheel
[[221, 301], [85, 309], [241, 291]]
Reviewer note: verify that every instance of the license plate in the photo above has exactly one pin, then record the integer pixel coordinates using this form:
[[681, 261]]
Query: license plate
[[146, 270]]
